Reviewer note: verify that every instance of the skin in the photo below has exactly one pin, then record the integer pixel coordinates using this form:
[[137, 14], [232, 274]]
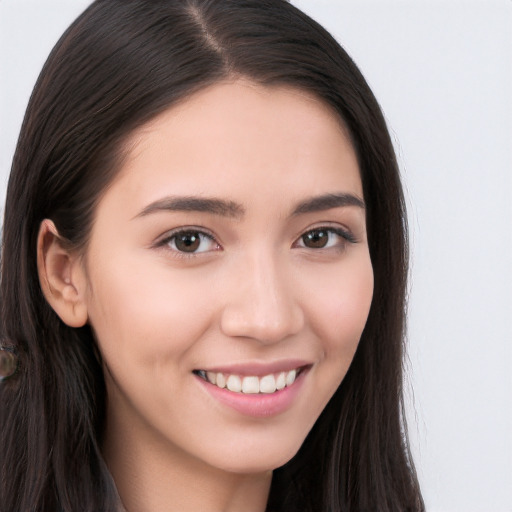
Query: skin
[[254, 292]]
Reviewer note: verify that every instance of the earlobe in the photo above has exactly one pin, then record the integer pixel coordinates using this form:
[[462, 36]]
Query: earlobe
[[61, 276]]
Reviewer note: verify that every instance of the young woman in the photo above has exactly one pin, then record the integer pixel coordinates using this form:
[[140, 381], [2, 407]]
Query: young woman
[[203, 271]]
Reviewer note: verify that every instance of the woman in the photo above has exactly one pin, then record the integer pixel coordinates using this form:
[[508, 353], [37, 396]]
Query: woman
[[203, 271]]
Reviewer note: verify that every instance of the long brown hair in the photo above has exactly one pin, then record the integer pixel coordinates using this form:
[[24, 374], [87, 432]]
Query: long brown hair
[[120, 64]]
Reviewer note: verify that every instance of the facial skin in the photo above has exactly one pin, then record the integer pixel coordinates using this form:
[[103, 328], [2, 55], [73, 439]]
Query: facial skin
[[257, 292]]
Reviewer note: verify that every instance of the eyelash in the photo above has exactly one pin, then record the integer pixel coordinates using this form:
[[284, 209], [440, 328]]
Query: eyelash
[[345, 235], [173, 236]]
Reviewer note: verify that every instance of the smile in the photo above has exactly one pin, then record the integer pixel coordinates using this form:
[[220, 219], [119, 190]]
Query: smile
[[266, 384]]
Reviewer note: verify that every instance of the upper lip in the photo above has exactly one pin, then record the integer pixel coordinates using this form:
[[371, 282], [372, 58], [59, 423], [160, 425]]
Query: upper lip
[[258, 369]]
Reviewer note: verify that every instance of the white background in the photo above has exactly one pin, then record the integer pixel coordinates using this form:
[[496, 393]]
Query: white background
[[442, 71]]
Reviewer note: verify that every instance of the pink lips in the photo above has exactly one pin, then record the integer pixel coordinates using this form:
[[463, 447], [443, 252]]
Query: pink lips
[[258, 405], [259, 369]]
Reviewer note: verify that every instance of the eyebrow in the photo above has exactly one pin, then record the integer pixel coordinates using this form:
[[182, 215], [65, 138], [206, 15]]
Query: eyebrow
[[326, 202], [231, 209], [195, 204]]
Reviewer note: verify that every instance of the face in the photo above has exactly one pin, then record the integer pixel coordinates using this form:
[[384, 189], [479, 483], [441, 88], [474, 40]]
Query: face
[[228, 276]]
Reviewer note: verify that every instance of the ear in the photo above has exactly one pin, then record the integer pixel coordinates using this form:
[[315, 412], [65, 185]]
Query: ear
[[62, 276]]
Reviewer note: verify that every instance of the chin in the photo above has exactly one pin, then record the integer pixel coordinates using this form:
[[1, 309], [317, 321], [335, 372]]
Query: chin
[[255, 459]]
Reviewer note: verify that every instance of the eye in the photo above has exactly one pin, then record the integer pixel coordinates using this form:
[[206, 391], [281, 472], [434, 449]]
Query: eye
[[325, 238], [190, 241]]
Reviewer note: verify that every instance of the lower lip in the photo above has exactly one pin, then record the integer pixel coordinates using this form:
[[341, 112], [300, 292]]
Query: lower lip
[[258, 405]]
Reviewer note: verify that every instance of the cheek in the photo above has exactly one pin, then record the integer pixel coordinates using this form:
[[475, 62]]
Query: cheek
[[150, 314], [340, 312], [338, 316]]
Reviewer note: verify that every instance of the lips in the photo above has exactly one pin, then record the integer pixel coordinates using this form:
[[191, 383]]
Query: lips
[[251, 384], [256, 390]]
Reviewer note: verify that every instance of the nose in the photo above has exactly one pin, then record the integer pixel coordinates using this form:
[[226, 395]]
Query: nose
[[262, 303]]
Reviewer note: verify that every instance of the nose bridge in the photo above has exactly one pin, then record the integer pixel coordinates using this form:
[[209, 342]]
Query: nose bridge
[[262, 304]]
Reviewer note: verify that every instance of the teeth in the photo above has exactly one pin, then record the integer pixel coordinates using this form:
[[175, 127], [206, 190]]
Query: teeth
[[234, 383], [220, 380], [290, 377], [251, 384], [281, 381], [268, 384]]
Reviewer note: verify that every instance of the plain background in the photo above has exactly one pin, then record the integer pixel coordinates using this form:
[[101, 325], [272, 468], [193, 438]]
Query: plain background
[[442, 71]]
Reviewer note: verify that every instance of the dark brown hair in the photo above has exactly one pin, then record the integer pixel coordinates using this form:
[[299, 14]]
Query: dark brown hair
[[120, 64]]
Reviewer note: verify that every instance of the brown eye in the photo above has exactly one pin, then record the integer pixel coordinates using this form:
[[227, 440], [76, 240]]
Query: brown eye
[[187, 242], [191, 242], [316, 239], [326, 238]]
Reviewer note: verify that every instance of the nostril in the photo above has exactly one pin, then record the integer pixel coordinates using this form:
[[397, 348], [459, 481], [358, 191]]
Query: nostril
[[266, 329], [262, 304]]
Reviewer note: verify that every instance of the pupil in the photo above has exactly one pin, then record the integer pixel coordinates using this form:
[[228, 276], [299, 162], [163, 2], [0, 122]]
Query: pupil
[[188, 242], [316, 239]]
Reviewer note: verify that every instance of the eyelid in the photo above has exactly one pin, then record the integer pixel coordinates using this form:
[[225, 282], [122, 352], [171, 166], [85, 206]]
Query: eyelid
[[343, 232], [163, 241]]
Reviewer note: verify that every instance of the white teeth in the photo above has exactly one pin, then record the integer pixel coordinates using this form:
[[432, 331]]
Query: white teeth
[[281, 381], [251, 385], [268, 384], [290, 377], [221, 380], [234, 383]]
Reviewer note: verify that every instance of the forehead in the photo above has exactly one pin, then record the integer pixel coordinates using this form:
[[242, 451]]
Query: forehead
[[241, 139]]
